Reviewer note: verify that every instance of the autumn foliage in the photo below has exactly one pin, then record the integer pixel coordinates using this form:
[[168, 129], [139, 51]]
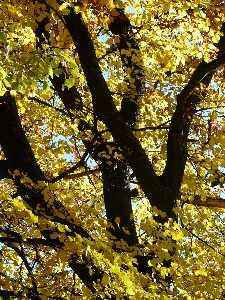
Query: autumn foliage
[[112, 149]]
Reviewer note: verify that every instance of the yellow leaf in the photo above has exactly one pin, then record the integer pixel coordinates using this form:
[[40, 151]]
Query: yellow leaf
[[116, 39], [117, 220], [201, 273]]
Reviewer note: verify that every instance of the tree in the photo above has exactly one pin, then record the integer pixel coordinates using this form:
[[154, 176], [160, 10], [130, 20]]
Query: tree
[[112, 135]]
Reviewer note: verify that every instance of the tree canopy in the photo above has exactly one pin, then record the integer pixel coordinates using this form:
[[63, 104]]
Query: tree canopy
[[111, 149]]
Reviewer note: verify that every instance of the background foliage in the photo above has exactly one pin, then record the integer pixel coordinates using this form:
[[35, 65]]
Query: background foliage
[[112, 137]]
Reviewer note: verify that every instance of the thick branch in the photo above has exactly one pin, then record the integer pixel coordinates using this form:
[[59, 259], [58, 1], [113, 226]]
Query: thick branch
[[203, 70], [15, 145], [20, 156], [7, 295], [107, 112], [116, 186], [4, 167], [121, 26], [117, 198], [187, 102], [15, 237]]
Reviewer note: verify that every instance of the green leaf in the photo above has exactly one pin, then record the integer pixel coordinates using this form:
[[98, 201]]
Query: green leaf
[[2, 36], [69, 82]]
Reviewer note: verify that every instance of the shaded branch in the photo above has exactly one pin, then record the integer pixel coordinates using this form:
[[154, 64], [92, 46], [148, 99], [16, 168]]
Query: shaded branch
[[116, 195], [200, 239], [187, 102], [15, 237], [116, 185], [16, 148], [4, 169], [209, 202], [71, 96], [20, 156], [81, 174], [34, 241], [107, 112], [161, 126], [78, 165], [49, 105], [33, 290], [121, 26], [7, 295], [199, 74], [9, 232]]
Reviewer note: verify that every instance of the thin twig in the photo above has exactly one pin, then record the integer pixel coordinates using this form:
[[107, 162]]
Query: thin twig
[[49, 105], [79, 164], [200, 239], [161, 126], [81, 174]]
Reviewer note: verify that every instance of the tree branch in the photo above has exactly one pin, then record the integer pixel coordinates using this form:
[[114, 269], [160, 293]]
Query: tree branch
[[7, 295], [49, 105], [81, 174], [209, 202], [20, 156], [14, 237], [187, 102], [200, 239], [107, 112], [199, 74], [4, 170], [79, 164], [33, 290]]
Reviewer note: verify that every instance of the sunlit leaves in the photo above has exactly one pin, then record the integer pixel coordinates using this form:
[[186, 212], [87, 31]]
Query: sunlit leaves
[[173, 38]]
